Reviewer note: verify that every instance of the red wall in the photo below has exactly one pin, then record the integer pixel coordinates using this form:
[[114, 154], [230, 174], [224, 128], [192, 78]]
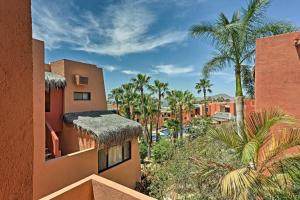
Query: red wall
[[54, 117], [277, 73]]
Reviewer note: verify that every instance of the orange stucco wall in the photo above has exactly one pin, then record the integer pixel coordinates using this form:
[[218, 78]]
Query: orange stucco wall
[[73, 140], [95, 85], [16, 104], [129, 172], [277, 73], [55, 116]]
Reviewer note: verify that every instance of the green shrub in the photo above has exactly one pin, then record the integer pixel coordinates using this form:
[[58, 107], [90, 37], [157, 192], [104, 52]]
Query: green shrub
[[143, 150], [163, 150]]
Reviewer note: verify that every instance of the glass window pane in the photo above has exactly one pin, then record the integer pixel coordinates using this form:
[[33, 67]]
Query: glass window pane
[[127, 150], [85, 96], [77, 96], [102, 159], [114, 155]]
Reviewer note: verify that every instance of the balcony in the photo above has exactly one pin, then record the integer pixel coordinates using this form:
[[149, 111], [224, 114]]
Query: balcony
[[96, 188]]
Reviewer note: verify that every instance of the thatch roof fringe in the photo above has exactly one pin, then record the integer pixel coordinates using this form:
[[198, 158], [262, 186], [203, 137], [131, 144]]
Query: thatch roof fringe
[[107, 128], [53, 80]]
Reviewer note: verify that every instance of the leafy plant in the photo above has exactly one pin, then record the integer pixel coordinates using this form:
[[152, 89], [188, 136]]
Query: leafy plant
[[163, 150]]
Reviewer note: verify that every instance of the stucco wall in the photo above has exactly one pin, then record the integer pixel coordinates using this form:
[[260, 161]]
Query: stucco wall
[[73, 140], [129, 172], [16, 104], [277, 72], [55, 116], [95, 85]]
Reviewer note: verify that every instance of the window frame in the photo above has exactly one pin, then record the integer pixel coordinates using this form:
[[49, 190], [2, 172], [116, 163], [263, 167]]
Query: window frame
[[107, 157], [82, 93]]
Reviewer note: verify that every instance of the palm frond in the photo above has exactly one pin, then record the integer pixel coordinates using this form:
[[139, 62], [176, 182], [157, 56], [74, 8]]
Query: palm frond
[[217, 63]]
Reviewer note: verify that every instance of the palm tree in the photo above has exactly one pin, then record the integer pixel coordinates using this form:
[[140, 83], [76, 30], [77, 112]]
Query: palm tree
[[151, 111], [204, 86], [234, 40], [128, 99], [160, 89], [140, 82], [116, 95], [173, 125], [180, 101], [269, 162]]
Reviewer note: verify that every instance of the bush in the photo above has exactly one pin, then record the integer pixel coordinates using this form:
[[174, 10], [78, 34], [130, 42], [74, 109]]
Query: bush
[[143, 150], [199, 127], [163, 150]]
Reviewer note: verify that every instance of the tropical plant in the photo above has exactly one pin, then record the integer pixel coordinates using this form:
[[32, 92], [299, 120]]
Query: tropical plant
[[199, 127], [204, 86], [128, 97], [116, 96], [180, 101], [140, 82], [269, 161], [151, 111], [162, 151], [234, 40], [160, 89], [173, 126]]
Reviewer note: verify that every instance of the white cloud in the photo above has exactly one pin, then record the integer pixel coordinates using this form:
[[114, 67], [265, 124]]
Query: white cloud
[[119, 30], [130, 72], [173, 70], [109, 68]]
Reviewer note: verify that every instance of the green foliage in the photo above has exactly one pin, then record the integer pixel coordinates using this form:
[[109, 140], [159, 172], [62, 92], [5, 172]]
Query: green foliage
[[199, 127], [179, 177], [143, 150], [163, 150]]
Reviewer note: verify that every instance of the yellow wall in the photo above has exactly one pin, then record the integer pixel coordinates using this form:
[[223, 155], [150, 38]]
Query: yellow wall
[[95, 85]]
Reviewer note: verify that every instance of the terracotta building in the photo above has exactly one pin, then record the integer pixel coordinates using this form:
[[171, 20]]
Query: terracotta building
[[277, 73], [80, 137]]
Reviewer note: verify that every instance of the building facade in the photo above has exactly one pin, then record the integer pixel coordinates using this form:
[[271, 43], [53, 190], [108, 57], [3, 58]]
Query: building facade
[[80, 137]]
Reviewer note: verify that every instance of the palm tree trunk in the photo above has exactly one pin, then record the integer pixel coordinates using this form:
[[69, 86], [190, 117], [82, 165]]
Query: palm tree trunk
[[181, 122], [150, 139], [239, 101], [117, 107], [158, 116], [205, 102]]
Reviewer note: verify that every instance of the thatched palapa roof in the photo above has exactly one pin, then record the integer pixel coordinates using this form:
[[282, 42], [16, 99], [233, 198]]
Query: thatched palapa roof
[[53, 80], [107, 127]]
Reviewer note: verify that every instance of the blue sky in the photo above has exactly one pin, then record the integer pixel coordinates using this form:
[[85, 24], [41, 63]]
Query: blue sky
[[140, 36]]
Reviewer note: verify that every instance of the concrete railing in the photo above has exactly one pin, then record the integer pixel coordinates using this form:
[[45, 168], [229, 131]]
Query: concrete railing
[[95, 187], [52, 141]]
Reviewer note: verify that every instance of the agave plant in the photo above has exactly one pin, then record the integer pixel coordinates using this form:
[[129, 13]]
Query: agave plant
[[268, 154]]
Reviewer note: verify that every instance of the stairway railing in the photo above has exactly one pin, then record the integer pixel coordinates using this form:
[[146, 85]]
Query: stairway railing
[[52, 141]]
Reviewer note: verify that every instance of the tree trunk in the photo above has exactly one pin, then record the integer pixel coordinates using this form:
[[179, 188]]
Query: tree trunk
[[117, 107], [205, 102], [239, 101], [158, 117], [150, 138], [181, 122]]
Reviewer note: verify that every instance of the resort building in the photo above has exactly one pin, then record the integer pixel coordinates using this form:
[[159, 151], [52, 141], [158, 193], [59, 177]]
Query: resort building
[[81, 137], [277, 73]]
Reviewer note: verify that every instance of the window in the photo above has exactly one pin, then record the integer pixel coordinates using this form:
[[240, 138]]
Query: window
[[227, 109], [47, 100], [113, 156], [82, 96]]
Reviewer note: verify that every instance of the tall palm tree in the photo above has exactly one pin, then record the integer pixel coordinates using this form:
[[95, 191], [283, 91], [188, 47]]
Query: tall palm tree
[[116, 95], [234, 40], [269, 161], [140, 82], [151, 111], [160, 89], [182, 101], [204, 86], [128, 98]]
